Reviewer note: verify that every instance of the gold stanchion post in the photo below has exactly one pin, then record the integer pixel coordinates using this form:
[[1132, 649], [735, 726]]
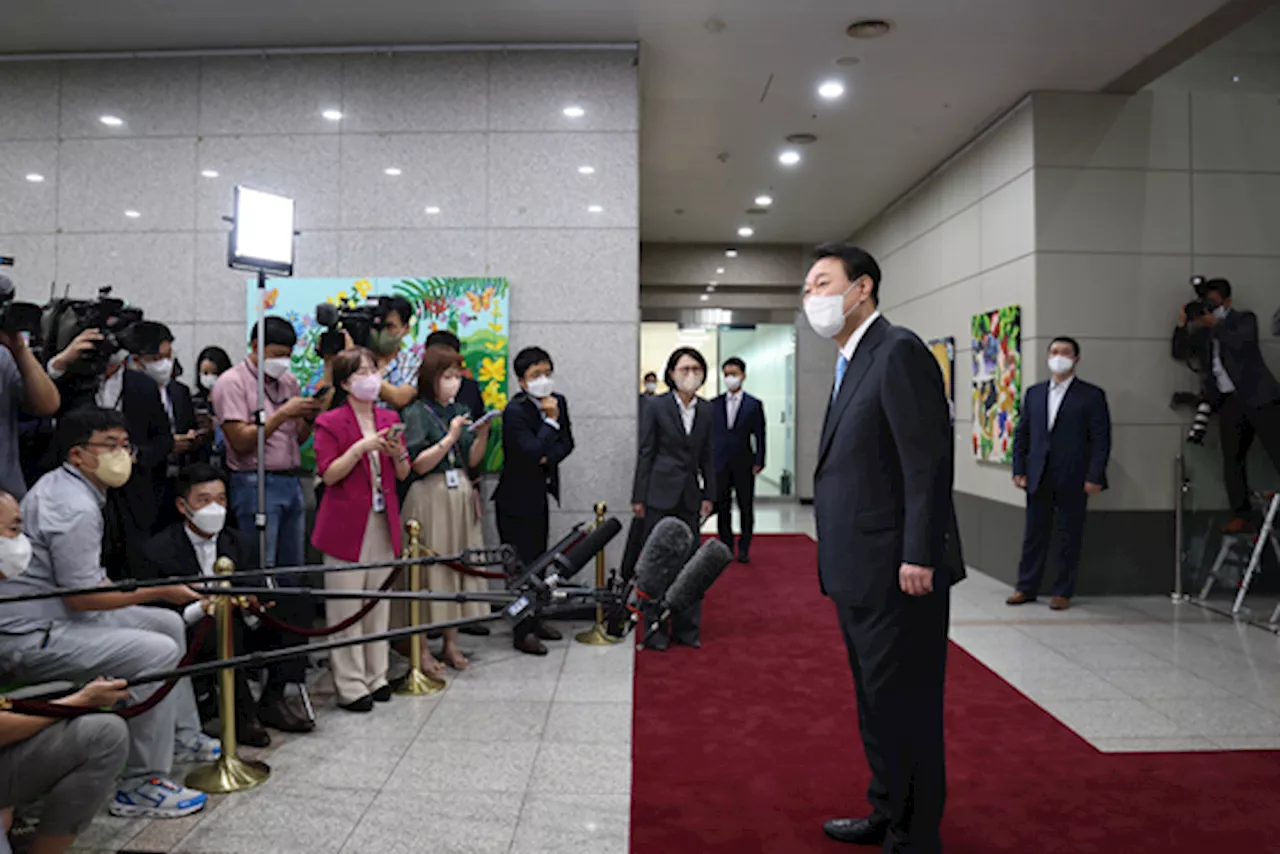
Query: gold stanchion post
[[230, 773], [417, 683], [597, 635]]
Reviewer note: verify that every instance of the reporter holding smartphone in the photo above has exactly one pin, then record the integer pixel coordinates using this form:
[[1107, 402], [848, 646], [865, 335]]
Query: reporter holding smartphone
[[359, 456], [442, 497]]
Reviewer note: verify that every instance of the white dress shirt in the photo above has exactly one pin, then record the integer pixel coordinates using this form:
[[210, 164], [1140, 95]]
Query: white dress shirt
[[206, 554], [733, 402], [1057, 393], [111, 391], [1220, 375], [851, 346], [687, 413]]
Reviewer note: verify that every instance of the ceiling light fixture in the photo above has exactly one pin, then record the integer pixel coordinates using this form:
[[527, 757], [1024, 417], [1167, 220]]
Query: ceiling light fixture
[[594, 209], [586, 170], [789, 158], [132, 214], [746, 231], [870, 28], [332, 115], [831, 90], [764, 200], [719, 271], [209, 173], [574, 112], [433, 210], [393, 171], [111, 121], [705, 297], [711, 285], [35, 178], [731, 253], [1235, 78]]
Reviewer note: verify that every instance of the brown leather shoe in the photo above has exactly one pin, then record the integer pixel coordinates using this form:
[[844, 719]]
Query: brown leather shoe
[[1059, 603], [1019, 598]]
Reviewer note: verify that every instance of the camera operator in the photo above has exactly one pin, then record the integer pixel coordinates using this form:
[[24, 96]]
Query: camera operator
[[397, 366], [26, 388], [1222, 345]]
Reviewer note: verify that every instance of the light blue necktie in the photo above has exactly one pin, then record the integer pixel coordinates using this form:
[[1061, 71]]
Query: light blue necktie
[[841, 366]]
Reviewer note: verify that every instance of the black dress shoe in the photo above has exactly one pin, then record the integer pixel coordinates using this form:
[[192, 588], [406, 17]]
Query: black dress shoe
[[546, 632], [478, 631], [252, 734], [744, 558], [530, 645], [278, 714], [857, 831], [364, 704], [383, 694]]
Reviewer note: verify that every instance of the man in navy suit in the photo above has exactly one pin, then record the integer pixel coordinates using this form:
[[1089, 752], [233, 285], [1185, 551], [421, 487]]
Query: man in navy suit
[[1060, 451], [739, 418]]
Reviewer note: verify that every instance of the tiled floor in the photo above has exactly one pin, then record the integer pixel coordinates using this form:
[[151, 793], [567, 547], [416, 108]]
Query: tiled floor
[[528, 755]]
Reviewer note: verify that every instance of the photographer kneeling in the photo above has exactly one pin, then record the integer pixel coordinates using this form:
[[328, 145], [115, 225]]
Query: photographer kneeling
[[1222, 345]]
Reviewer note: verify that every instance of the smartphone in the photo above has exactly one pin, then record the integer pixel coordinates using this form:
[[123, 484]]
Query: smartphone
[[396, 432], [486, 418], [321, 391]]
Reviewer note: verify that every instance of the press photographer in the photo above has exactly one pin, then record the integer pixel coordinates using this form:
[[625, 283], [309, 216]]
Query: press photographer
[[380, 326], [24, 385], [1221, 344]]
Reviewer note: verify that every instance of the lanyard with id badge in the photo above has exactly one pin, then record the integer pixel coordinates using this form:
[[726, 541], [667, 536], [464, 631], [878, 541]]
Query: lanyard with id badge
[[452, 475]]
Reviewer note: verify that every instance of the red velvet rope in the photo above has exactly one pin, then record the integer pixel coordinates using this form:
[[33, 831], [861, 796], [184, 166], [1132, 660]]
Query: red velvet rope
[[478, 573], [56, 710], [265, 615]]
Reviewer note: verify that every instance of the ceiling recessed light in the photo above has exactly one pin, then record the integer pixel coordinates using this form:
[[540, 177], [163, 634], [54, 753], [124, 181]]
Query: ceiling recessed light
[[586, 170], [846, 61], [764, 200], [594, 209], [332, 115], [393, 171], [719, 271], [711, 285], [111, 121], [209, 173], [35, 178], [1235, 78], [574, 112], [871, 28], [746, 231], [132, 214], [831, 90], [789, 158], [705, 297], [731, 253], [433, 210]]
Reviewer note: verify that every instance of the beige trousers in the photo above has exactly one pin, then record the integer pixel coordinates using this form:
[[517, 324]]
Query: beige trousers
[[361, 670]]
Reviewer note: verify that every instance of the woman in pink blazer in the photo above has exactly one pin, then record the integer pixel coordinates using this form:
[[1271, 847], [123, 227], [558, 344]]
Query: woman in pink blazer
[[359, 458]]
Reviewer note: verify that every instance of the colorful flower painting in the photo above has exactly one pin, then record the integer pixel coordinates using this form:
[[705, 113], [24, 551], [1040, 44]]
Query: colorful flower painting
[[944, 350], [997, 382], [476, 310]]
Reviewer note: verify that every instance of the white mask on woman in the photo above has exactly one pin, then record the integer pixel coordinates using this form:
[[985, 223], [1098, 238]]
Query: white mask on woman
[[208, 381], [689, 383], [449, 388]]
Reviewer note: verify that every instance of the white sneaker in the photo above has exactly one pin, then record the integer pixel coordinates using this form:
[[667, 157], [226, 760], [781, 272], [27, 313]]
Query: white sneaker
[[157, 797], [202, 750]]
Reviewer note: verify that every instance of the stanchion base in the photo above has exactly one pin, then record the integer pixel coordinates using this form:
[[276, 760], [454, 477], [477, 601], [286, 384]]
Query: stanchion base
[[596, 636], [419, 684], [229, 774]]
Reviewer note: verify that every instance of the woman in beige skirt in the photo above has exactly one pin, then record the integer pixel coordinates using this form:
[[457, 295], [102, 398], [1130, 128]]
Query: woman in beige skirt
[[442, 497]]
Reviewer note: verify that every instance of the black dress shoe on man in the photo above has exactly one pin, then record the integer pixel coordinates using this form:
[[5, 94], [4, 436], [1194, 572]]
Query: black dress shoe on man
[[857, 831], [743, 557], [530, 645], [278, 714], [252, 734], [546, 632]]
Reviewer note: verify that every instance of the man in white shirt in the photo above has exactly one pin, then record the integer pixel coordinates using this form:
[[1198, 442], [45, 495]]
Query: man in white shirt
[[1061, 445], [739, 421]]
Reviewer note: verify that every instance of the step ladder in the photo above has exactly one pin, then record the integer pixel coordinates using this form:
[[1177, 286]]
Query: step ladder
[[1230, 557]]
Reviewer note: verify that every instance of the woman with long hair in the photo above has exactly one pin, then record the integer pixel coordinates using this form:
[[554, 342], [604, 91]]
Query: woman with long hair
[[212, 363]]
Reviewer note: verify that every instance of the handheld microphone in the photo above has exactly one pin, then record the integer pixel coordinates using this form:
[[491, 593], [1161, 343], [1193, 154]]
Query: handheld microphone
[[535, 569], [571, 561], [696, 578]]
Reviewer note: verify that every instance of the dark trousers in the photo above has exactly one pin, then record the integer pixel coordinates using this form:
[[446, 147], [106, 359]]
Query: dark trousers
[[260, 639], [739, 478], [898, 655], [1239, 424], [528, 536], [686, 627], [1069, 503]]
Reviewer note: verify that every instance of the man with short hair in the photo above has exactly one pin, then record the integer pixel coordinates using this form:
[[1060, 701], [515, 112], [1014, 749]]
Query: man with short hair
[[398, 366], [79, 638], [1061, 445], [739, 420]]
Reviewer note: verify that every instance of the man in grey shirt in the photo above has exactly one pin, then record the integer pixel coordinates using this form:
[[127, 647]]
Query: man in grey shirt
[[24, 386], [102, 634]]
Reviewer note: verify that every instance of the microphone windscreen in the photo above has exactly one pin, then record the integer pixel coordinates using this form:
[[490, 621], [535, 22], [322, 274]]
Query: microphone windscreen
[[7, 290], [661, 557], [580, 553], [698, 575], [326, 314]]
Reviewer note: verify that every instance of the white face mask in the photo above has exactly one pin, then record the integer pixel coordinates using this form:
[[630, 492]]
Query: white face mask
[[826, 314], [650, 387], [276, 368], [208, 381], [1221, 312], [689, 383], [1060, 366], [209, 519], [15, 556], [161, 371], [733, 383], [448, 389], [541, 387]]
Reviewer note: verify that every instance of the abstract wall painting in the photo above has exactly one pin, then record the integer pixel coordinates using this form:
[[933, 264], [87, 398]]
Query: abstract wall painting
[[944, 350], [997, 382]]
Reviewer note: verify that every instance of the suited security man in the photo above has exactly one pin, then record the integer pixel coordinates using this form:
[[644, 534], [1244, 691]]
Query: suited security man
[[674, 470], [739, 421], [1223, 346], [888, 545], [537, 436], [1060, 450]]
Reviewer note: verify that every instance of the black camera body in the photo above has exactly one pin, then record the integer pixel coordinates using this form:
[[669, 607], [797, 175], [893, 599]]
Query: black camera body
[[1200, 306], [360, 322], [65, 318], [16, 316]]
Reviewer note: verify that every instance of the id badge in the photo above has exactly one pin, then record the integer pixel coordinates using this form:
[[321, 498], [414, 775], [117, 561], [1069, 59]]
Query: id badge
[[379, 502], [452, 479]]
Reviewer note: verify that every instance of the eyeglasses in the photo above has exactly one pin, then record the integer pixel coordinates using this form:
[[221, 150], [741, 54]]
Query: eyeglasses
[[113, 446]]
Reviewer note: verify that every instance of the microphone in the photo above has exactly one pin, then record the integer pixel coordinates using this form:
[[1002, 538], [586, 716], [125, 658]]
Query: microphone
[[568, 560], [659, 562], [571, 561], [696, 578]]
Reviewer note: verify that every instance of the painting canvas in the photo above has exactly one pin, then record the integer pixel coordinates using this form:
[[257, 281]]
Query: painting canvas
[[476, 310], [997, 382], [944, 350]]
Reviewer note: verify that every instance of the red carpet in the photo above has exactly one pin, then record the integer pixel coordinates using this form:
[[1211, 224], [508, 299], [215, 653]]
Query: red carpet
[[749, 743]]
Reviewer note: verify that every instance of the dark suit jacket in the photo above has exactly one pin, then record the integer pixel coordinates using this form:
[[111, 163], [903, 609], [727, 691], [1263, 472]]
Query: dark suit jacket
[[732, 445], [526, 441], [1076, 451], [1237, 338], [169, 554], [882, 489], [670, 461]]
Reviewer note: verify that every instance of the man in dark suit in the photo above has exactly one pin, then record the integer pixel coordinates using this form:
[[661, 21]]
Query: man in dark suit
[[675, 473], [191, 547], [888, 545], [1061, 445], [536, 437], [1222, 345], [739, 420]]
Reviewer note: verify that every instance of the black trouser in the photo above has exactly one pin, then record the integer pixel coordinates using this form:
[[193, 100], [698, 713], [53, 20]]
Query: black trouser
[[260, 639], [1238, 424], [741, 478], [1070, 504], [898, 655], [528, 536], [686, 627]]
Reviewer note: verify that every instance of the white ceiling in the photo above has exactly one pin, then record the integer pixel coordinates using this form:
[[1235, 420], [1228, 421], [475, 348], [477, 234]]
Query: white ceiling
[[1246, 61], [947, 69]]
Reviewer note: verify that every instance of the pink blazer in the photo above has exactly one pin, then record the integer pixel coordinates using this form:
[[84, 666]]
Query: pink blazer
[[339, 529]]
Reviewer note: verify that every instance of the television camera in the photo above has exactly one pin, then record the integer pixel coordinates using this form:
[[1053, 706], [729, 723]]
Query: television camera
[[15, 316], [364, 323]]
